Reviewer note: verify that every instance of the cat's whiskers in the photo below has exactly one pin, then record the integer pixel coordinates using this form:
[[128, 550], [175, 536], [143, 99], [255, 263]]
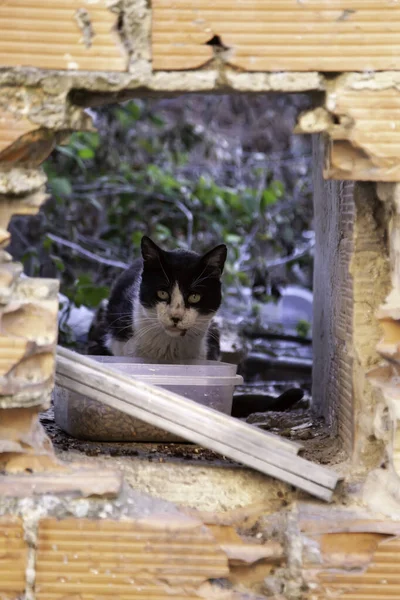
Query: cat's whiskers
[[148, 319], [198, 330], [121, 318], [143, 331], [196, 281], [163, 270], [138, 326], [213, 335], [123, 329]]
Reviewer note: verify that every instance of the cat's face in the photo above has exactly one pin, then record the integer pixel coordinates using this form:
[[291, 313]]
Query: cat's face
[[181, 290]]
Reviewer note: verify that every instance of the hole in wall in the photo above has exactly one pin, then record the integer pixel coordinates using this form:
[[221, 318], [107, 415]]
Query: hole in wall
[[121, 34], [195, 171], [216, 42]]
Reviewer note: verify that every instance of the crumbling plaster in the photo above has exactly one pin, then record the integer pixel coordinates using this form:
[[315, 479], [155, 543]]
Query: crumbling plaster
[[205, 488], [385, 375], [55, 101]]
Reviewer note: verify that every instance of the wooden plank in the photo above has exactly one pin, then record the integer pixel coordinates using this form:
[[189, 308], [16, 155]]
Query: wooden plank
[[266, 453], [258, 436], [225, 447]]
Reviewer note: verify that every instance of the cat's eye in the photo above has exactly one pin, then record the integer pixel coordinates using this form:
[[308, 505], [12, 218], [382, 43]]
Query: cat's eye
[[194, 298], [162, 294]]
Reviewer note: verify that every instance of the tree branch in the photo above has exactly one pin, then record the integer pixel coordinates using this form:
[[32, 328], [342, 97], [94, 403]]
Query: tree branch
[[86, 253]]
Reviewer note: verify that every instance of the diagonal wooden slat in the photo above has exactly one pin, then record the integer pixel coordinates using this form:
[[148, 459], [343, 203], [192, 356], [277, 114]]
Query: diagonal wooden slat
[[266, 453]]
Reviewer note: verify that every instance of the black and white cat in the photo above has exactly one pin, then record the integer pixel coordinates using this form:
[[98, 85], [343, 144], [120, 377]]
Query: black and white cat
[[161, 308]]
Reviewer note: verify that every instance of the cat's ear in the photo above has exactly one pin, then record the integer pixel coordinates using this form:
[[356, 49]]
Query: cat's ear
[[151, 253], [216, 258]]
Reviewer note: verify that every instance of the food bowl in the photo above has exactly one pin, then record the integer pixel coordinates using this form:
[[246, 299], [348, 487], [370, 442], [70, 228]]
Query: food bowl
[[209, 383]]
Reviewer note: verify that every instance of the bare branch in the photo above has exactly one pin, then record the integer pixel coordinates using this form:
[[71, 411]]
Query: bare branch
[[296, 254], [86, 253], [106, 190]]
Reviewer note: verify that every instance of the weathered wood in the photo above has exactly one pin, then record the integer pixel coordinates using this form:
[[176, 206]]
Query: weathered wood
[[258, 436], [266, 453]]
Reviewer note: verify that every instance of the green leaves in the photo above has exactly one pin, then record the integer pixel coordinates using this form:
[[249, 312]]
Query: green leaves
[[86, 152], [233, 238], [160, 175], [61, 187], [157, 121], [82, 147], [88, 293], [277, 188], [267, 199], [162, 180], [58, 263], [303, 328], [162, 232], [271, 195], [136, 238], [134, 110]]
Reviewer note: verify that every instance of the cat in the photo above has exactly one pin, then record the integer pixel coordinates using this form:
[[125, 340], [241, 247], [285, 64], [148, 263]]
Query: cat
[[161, 308]]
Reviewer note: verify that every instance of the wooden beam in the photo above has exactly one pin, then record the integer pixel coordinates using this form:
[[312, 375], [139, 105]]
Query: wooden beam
[[266, 453]]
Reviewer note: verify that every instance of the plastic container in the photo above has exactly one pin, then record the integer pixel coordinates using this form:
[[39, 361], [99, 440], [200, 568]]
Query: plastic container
[[209, 383]]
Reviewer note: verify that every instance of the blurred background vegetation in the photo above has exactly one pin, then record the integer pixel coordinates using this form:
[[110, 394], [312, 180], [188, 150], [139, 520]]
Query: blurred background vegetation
[[190, 172]]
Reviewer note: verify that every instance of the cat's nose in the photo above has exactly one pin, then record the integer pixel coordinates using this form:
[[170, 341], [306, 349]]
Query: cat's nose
[[175, 320]]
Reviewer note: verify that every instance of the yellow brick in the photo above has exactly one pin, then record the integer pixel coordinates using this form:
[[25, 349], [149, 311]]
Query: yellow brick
[[13, 556]]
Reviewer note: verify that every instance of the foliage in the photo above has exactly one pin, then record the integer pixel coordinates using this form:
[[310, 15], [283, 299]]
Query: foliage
[[159, 172], [303, 328]]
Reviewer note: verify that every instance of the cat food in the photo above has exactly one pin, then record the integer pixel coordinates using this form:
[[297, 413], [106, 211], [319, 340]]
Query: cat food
[[206, 382]]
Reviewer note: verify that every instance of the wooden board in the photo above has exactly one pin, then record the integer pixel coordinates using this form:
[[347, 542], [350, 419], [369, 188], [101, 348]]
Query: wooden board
[[278, 35], [199, 424]]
